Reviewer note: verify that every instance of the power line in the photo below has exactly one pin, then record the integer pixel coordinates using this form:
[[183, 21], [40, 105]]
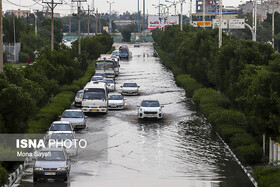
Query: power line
[[27, 6]]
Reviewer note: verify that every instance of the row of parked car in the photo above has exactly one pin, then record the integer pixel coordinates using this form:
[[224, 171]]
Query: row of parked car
[[98, 96]]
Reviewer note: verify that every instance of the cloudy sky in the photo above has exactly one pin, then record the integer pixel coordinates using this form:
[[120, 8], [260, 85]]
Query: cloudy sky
[[102, 5]]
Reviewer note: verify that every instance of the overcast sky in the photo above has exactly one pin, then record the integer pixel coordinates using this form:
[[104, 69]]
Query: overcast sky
[[102, 5]]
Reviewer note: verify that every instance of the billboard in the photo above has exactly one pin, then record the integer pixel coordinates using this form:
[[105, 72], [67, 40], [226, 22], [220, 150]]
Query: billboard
[[155, 22], [200, 23]]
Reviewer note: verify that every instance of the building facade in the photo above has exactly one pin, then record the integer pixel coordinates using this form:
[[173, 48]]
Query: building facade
[[19, 13]]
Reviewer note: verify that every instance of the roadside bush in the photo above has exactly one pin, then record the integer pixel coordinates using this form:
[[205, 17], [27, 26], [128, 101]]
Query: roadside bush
[[4, 175], [241, 140], [229, 131], [267, 176], [188, 83], [83, 80], [73, 88], [251, 154], [231, 117], [200, 93], [23, 57]]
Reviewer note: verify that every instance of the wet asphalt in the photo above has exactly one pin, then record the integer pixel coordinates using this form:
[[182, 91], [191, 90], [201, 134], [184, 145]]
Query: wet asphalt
[[181, 150]]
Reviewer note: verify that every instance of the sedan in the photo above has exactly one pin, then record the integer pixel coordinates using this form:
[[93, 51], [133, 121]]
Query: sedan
[[79, 98], [130, 89], [150, 109], [97, 79], [59, 126], [55, 165], [116, 101], [75, 117], [110, 83]]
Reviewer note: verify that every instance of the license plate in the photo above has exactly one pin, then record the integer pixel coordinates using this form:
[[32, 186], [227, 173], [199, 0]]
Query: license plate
[[94, 110], [49, 173]]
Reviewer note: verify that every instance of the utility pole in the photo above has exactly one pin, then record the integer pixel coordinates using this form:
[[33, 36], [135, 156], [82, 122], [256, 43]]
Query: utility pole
[[138, 16], [36, 23], [190, 12], [204, 14], [182, 14], [255, 13], [144, 20], [52, 6], [220, 24], [110, 29], [1, 39], [79, 28], [273, 24], [88, 20]]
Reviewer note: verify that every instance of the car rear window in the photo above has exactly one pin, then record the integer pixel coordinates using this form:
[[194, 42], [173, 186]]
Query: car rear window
[[129, 85], [60, 127]]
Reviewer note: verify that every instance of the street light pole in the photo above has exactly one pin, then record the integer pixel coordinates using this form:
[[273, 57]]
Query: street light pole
[[181, 15], [144, 20], [110, 29], [79, 29], [273, 24], [220, 23], [138, 16], [190, 12]]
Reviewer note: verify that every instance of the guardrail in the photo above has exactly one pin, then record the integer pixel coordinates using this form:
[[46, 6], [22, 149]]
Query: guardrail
[[16, 174]]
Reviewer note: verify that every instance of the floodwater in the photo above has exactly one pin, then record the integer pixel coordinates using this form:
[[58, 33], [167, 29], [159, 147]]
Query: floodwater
[[181, 150]]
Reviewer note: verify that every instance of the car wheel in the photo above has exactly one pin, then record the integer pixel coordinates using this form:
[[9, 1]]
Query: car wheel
[[65, 178], [35, 179]]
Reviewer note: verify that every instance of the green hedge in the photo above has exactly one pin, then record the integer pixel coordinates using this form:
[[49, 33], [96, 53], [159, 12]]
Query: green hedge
[[188, 83], [251, 154], [267, 176], [4, 175], [41, 122]]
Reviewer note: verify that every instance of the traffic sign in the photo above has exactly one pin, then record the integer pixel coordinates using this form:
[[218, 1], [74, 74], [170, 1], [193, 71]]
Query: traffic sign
[[216, 23], [200, 23], [237, 24]]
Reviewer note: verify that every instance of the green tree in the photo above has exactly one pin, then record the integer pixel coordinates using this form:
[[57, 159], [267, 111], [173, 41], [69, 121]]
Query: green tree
[[126, 33]]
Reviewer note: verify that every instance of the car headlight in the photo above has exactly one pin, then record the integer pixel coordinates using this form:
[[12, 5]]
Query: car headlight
[[62, 169], [38, 169]]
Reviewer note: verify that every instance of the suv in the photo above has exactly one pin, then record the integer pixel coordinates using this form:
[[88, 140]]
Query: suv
[[150, 109]]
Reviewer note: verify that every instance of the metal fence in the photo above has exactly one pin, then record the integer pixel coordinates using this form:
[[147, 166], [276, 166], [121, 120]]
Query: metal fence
[[12, 51]]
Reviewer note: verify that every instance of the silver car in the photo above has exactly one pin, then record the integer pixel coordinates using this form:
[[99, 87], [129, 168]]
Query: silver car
[[110, 83], [130, 89], [79, 98], [75, 117], [116, 101]]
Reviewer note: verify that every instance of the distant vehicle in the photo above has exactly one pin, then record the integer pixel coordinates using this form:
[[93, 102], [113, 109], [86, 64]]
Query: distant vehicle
[[124, 52], [137, 44], [79, 98], [95, 98], [56, 165], [116, 53], [110, 84], [97, 79], [75, 117], [59, 126], [106, 66], [150, 109], [130, 89], [116, 101], [66, 139], [100, 74]]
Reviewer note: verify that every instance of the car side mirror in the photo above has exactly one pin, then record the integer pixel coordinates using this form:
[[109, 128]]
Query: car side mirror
[[138, 106], [86, 117], [121, 86], [162, 106], [138, 86]]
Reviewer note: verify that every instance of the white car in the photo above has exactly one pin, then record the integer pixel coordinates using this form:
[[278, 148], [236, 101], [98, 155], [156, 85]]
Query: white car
[[116, 101], [79, 98], [150, 109], [75, 117], [64, 139], [130, 89], [59, 126], [110, 83], [97, 79]]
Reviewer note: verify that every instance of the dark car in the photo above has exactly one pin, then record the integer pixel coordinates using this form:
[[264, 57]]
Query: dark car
[[55, 165]]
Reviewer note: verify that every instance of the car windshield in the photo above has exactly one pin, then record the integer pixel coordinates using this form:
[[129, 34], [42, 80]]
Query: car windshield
[[94, 93], [129, 85], [79, 94], [60, 127], [62, 136], [99, 74], [53, 156], [72, 114], [116, 97], [150, 104], [96, 78], [109, 81]]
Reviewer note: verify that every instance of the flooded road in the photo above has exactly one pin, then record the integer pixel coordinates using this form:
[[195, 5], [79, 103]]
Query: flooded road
[[179, 150]]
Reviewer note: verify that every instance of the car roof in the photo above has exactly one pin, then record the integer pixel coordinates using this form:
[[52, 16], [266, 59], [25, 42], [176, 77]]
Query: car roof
[[150, 100], [61, 122], [63, 132], [73, 110], [130, 83], [115, 94]]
